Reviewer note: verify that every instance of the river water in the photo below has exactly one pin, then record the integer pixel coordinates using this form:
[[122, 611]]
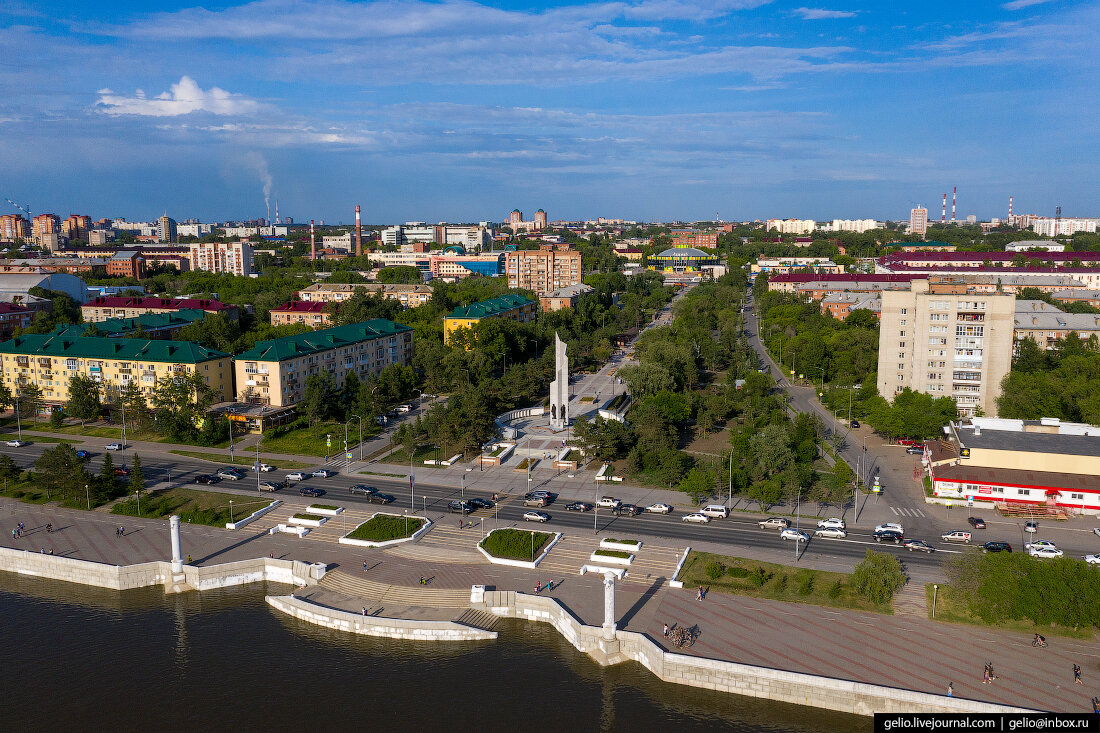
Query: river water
[[74, 658]]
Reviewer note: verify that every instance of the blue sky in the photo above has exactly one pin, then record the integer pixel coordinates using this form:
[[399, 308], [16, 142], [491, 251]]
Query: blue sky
[[460, 110]]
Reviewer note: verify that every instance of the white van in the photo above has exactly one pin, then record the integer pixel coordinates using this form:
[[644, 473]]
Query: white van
[[715, 510]]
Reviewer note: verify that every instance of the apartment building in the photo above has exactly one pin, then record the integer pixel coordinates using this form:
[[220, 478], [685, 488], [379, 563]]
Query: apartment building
[[13, 317], [409, 296], [790, 226], [126, 264], [566, 297], [151, 325], [76, 226], [841, 305], [543, 270], [693, 238], [512, 307], [457, 267], [1062, 227], [1081, 295], [274, 372], [50, 360], [918, 221], [105, 307], [780, 265], [790, 282], [234, 258], [941, 339], [14, 226], [853, 225], [311, 314], [516, 222], [975, 260], [1048, 324]]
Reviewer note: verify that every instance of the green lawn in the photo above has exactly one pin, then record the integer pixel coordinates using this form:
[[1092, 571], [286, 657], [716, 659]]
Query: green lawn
[[612, 553], [515, 544], [35, 438], [385, 527], [241, 460], [109, 431], [24, 491], [741, 576], [951, 610], [192, 505], [310, 441], [422, 453]]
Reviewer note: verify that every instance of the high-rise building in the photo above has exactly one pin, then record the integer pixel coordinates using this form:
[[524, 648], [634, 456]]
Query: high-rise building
[[516, 222], [790, 226], [942, 339], [47, 231], [166, 229], [542, 270], [14, 226], [232, 257], [76, 227], [918, 221]]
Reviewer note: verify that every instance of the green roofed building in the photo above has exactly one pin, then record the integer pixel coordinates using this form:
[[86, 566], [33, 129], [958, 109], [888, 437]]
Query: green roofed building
[[513, 307], [152, 325], [274, 372], [50, 360]]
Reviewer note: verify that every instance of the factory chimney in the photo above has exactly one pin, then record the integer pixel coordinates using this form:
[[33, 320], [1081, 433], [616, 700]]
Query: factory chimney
[[358, 233], [312, 242]]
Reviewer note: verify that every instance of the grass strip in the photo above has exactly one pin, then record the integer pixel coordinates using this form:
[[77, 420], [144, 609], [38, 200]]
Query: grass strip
[[515, 544], [386, 527], [950, 609], [238, 460]]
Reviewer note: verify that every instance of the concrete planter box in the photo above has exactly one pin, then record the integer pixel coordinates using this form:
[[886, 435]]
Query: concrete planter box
[[673, 583], [254, 516], [608, 560], [289, 529], [346, 540], [307, 522], [531, 463], [321, 510], [614, 545], [520, 563]]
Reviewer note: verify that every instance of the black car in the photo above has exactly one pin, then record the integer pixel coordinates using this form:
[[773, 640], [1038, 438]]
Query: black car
[[853, 424], [380, 498], [310, 491], [579, 506], [205, 478], [996, 547], [976, 522], [630, 510], [478, 503], [460, 507], [362, 489], [888, 535], [914, 450]]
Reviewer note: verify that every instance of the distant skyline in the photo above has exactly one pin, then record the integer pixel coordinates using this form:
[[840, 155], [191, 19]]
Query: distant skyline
[[461, 111]]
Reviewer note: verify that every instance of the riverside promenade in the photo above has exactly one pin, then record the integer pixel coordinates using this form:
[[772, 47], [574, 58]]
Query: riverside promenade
[[903, 651]]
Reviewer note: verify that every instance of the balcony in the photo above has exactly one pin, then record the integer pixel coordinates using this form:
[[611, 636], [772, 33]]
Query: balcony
[[148, 378]]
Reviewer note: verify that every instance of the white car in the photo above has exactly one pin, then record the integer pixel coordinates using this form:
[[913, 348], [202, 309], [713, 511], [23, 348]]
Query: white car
[[659, 508], [794, 534], [114, 446], [832, 523], [264, 467], [296, 476], [607, 502], [890, 526], [16, 443], [697, 518], [1045, 552], [323, 473], [1035, 544], [534, 516], [1092, 559], [1032, 527], [836, 532]]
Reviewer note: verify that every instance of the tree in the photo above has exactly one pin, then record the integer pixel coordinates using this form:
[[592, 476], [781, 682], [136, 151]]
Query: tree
[[6, 398], [318, 397], [9, 470], [30, 396], [137, 476], [698, 483], [84, 401], [61, 472], [878, 577], [180, 401]]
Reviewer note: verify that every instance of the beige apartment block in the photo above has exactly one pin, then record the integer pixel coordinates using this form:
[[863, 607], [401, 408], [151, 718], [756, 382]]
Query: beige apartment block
[[543, 270], [409, 295], [940, 339]]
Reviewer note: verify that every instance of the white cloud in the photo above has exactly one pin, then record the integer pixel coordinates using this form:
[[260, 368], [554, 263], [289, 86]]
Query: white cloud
[[821, 14], [181, 99], [1020, 4]]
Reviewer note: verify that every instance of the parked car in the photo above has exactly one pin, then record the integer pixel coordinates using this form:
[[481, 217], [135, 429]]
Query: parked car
[[833, 523], [607, 502], [459, 507], [269, 486], [914, 450], [1096, 531], [956, 536], [536, 516], [835, 532], [659, 508], [310, 491], [18, 443], [918, 545], [122, 471], [1032, 527], [83, 455], [695, 518], [715, 511], [548, 495], [402, 408], [854, 424], [206, 478], [888, 535], [892, 526], [323, 473], [793, 534], [362, 489], [1092, 559], [295, 476], [479, 503], [380, 498], [630, 510], [263, 467], [1045, 552], [775, 523], [578, 506], [1039, 543], [976, 522], [114, 446], [996, 547]]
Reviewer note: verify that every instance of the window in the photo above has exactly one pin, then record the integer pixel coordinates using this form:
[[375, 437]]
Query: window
[[1023, 492], [1077, 497], [903, 310]]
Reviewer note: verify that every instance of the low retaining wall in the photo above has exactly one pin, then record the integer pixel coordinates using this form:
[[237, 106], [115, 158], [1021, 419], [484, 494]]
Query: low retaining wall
[[391, 628], [254, 516], [346, 540], [741, 679], [520, 563]]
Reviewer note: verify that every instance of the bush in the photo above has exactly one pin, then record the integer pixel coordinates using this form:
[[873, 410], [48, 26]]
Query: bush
[[878, 577], [781, 583], [805, 582], [836, 590], [759, 576], [714, 570], [736, 572]]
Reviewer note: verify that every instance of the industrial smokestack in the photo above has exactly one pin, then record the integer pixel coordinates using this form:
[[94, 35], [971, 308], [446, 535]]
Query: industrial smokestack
[[1009, 209], [943, 213], [954, 195], [312, 242], [358, 233]]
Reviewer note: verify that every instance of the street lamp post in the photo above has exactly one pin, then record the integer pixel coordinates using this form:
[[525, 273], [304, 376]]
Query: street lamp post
[[228, 420], [257, 468], [88, 497], [123, 454], [231, 512], [731, 480], [360, 419], [18, 419], [797, 505]]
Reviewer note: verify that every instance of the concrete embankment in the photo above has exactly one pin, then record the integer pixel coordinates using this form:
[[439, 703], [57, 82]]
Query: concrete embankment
[[392, 628], [126, 577]]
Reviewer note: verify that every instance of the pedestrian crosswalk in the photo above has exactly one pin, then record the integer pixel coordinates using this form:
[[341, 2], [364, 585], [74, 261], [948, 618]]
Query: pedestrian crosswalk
[[905, 512]]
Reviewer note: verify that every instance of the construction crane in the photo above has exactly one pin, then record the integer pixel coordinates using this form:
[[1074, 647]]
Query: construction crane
[[24, 209]]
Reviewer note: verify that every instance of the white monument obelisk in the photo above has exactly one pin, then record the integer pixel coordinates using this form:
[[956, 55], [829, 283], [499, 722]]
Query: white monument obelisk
[[559, 388]]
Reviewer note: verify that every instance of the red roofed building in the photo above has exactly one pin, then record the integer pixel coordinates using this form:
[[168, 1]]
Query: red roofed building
[[298, 311], [106, 307], [13, 317], [789, 282]]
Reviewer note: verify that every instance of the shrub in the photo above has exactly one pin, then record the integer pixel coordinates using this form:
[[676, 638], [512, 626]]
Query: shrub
[[714, 570], [836, 590], [759, 576], [878, 577], [615, 553], [736, 572], [805, 582], [780, 582]]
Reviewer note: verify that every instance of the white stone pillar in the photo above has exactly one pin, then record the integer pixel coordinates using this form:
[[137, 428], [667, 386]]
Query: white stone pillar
[[609, 605], [177, 561]]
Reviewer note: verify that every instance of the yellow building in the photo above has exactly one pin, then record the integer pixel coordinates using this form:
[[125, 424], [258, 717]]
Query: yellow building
[[49, 360], [512, 307]]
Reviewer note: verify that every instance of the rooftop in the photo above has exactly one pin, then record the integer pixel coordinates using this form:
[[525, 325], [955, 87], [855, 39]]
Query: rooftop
[[151, 322], [121, 301], [1074, 439], [965, 473], [289, 347], [298, 306], [828, 277], [683, 253], [491, 307], [569, 291], [93, 347]]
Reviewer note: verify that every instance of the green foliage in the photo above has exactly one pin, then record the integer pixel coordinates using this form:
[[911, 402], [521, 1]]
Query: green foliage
[[737, 572], [137, 475], [913, 415], [400, 274], [63, 311], [698, 483], [836, 589], [1062, 383], [515, 544], [9, 470], [878, 576], [180, 402], [805, 580], [363, 306], [714, 570], [84, 401]]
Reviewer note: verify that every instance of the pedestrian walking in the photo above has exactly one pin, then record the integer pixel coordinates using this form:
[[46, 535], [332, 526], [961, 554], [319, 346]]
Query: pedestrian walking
[[116, 531], [985, 675], [950, 690], [364, 611], [121, 531], [699, 595], [20, 528], [550, 584], [1077, 675], [538, 587], [666, 630]]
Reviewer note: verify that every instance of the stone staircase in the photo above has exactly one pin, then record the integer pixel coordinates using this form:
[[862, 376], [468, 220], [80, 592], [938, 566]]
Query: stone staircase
[[911, 600], [478, 619], [339, 581]]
